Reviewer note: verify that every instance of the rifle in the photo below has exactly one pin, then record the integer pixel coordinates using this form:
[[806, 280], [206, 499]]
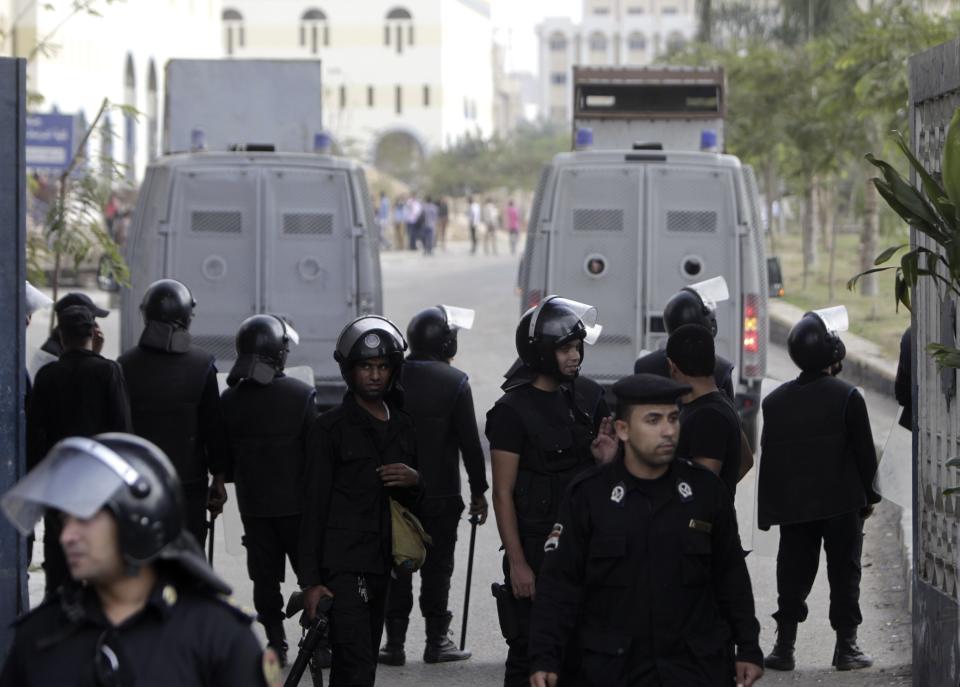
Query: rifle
[[315, 630]]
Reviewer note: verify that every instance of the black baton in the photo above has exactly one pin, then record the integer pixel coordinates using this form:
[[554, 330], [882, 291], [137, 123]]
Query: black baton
[[474, 521], [213, 519]]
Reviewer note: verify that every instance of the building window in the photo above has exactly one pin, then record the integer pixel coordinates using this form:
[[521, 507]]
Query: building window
[[370, 99], [343, 97], [669, 9], [399, 26], [426, 96], [233, 37], [635, 9], [314, 30], [558, 42], [598, 42], [601, 11], [675, 41], [558, 78], [398, 98], [153, 122], [130, 120], [637, 42]]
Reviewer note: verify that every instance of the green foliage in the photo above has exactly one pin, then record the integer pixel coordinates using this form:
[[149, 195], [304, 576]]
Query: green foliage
[[478, 165]]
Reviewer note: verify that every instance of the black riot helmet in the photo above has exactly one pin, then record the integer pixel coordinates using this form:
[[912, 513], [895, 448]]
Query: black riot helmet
[[370, 336], [167, 310], [130, 477], [814, 342], [263, 343], [696, 304], [432, 333], [555, 322]]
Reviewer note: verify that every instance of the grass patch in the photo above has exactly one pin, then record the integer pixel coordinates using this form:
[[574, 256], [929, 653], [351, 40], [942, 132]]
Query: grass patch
[[873, 318]]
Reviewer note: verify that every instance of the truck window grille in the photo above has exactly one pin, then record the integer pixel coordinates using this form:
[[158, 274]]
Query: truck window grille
[[308, 223], [598, 220], [613, 340], [692, 221], [216, 221], [223, 348]]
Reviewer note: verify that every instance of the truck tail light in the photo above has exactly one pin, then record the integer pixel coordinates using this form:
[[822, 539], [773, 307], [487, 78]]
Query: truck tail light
[[533, 298], [752, 345]]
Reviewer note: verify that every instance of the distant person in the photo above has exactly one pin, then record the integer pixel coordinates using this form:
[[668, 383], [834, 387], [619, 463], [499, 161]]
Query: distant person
[[473, 221], [513, 225], [413, 216], [383, 219], [430, 218], [399, 223], [903, 386], [443, 219], [491, 220], [51, 349]]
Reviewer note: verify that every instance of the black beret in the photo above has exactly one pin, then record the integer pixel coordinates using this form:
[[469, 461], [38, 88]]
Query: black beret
[[76, 320], [649, 389]]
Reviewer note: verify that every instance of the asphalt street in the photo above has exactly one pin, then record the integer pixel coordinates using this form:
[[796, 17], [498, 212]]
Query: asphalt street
[[486, 284]]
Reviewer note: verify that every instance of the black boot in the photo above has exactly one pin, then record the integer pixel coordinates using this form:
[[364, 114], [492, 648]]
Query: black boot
[[392, 653], [847, 655], [781, 658], [440, 648], [277, 640]]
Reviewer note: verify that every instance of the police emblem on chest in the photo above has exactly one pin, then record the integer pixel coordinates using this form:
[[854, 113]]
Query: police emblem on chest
[[618, 493], [685, 491], [553, 540]]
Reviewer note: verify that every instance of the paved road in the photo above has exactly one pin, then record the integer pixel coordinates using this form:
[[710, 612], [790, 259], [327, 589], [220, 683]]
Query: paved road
[[486, 284]]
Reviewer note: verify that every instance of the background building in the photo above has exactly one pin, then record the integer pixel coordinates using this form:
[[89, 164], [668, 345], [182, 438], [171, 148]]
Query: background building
[[76, 59], [612, 32], [402, 77]]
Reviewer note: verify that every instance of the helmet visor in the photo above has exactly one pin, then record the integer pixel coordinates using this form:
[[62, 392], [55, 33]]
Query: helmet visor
[[458, 318], [77, 477], [835, 319], [559, 327], [711, 291], [36, 299], [289, 330], [362, 326]]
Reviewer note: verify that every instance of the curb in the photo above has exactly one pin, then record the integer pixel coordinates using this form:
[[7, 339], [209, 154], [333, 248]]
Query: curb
[[863, 366]]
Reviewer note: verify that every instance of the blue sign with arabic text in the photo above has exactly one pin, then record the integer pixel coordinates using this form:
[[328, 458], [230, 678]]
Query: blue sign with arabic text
[[49, 141]]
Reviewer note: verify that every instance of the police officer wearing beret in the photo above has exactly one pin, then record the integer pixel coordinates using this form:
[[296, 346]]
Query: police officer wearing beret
[[549, 425], [79, 394], [817, 483], [143, 608], [644, 567], [175, 399], [360, 454], [439, 399], [694, 304], [268, 416]]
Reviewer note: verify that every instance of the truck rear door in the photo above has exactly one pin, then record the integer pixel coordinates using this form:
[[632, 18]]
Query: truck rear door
[[596, 257], [693, 236], [214, 249], [309, 266]]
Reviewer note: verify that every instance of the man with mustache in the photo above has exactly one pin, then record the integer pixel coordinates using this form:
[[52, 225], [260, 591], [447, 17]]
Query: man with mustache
[[643, 566]]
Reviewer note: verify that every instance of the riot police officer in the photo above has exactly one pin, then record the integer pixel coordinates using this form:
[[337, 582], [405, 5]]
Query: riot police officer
[[438, 398], [360, 455], [817, 483], [268, 416], [643, 566], [175, 400], [144, 606], [549, 425], [694, 304]]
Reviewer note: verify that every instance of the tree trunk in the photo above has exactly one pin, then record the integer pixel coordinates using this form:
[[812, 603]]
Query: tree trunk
[[809, 231], [824, 215], [868, 239], [828, 225], [769, 182]]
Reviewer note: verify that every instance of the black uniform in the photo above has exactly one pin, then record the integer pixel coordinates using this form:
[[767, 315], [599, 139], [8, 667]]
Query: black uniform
[[175, 402], [552, 433], [79, 394], [649, 577], [903, 386], [184, 636], [438, 398], [710, 428], [345, 535], [268, 426], [656, 363], [817, 473]]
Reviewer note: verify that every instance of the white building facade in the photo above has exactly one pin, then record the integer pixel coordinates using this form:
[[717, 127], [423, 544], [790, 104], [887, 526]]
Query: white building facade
[[401, 76], [118, 55], [612, 32]]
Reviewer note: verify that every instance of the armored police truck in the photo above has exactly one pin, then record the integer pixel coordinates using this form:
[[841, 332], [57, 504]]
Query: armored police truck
[[253, 230], [626, 227]]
